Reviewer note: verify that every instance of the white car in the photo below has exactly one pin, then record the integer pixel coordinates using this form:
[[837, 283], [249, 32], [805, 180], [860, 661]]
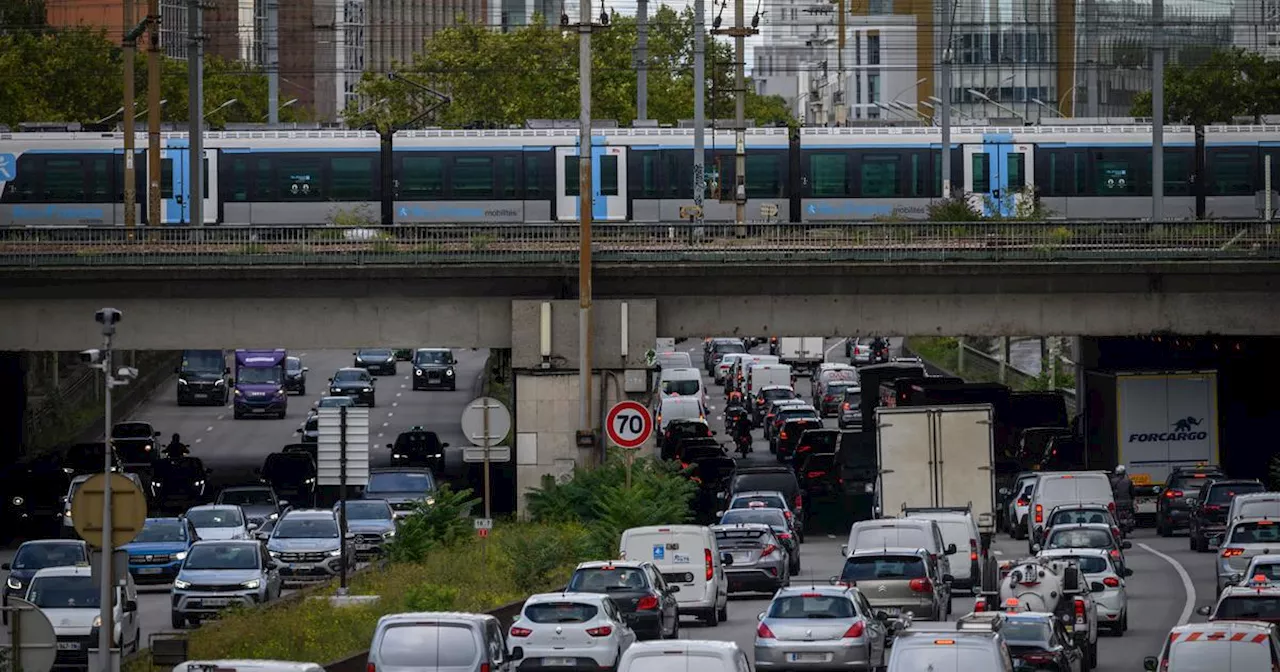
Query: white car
[[570, 630], [684, 654], [726, 365], [1099, 567], [220, 522], [69, 597]]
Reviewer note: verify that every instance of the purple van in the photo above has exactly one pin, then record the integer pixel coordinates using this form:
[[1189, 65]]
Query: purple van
[[259, 384]]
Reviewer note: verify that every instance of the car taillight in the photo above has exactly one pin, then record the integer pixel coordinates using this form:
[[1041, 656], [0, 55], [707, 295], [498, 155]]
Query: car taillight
[[647, 602], [1111, 582], [1023, 501], [855, 630], [921, 586], [816, 474], [759, 402], [1115, 532], [1039, 513], [829, 397], [1037, 657], [979, 605], [1211, 507], [711, 568], [371, 668], [845, 406], [768, 550], [784, 536], [517, 631], [484, 667], [1172, 493], [1232, 552], [1115, 553], [1080, 612], [786, 514], [602, 631], [783, 435], [1111, 506], [803, 449], [763, 632]]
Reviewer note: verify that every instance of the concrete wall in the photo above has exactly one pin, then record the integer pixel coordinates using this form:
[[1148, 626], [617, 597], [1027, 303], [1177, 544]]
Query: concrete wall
[[606, 334]]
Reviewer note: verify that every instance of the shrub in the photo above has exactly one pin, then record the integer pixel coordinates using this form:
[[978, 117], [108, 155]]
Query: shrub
[[539, 555], [439, 524]]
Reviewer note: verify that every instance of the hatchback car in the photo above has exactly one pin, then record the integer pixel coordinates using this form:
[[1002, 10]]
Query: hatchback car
[[432, 641], [1209, 510], [755, 499], [220, 521], [1084, 535], [898, 581], [821, 627], [1093, 514], [777, 521], [1038, 640], [759, 561], [1246, 539], [1098, 567], [570, 631], [638, 590], [33, 556]]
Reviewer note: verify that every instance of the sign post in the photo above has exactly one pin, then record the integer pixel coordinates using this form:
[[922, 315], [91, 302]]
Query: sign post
[[486, 421], [629, 425], [342, 459]]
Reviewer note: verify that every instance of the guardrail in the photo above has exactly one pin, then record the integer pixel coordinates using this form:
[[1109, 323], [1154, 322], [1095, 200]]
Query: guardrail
[[978, 364], [871, 242]]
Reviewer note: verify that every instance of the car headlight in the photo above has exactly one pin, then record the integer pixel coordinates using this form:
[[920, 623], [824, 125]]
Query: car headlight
[[219, 382], [97, 621], [238, 393], [180, 584], [311, 480], [448, 372], [417, 372], [199, 484], [335, 391], [431, 500], [274, 516], [274, 554], [182, 382], [18, 501], [335, 552], [252, 585], [397, 456], [13, 584], [388, 534], [367, 389], [180, 555]]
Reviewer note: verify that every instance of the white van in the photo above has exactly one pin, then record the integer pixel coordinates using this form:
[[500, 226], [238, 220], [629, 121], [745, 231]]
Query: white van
[[1254, 505], [1059, 488], [1223, 646], [764, 375], [687, 556], [684, 655], [682, 382], [679, 408]]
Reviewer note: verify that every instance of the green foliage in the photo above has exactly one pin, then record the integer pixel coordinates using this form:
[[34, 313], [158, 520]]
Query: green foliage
[[441, 523], [431, 597], [18, 16], [1022, 206], [542, 554], [532, 73], [1229, 83]]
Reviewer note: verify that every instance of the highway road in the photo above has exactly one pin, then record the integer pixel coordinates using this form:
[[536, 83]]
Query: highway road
[[233, 448]]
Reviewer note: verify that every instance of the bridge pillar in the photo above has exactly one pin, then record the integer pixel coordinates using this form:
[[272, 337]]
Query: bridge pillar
[[544, 361]]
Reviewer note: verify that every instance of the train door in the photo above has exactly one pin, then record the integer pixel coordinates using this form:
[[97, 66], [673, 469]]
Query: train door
[[608, 183], [175, 176], [997, 174]]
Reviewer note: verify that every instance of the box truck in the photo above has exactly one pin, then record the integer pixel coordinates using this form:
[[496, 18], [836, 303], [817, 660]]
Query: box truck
[[803, 353]]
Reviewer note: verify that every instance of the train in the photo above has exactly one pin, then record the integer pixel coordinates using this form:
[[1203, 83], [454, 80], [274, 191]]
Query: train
[[529, 176]]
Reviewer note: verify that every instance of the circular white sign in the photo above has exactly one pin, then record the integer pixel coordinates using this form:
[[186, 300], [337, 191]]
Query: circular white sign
[[629, 424], [473, 421]]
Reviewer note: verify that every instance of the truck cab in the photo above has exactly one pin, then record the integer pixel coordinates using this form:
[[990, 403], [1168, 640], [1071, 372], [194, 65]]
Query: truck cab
[[260, 384]]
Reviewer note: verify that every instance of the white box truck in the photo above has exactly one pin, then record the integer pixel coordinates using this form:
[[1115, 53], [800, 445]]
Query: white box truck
[[803, 353], [938, 457]]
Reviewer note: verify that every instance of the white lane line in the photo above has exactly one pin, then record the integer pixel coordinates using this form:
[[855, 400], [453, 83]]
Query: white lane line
[[827, 353], [1187, 585], [403, 386], [380, 435], [394, 404], [209, 428], [389, 414], [399, 393], [383, 424], [221, 416], [199, 440]]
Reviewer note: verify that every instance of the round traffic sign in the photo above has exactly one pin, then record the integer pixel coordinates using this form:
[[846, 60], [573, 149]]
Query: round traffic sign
[[36, 645], [629, 424], [128, 510], [473, 421]]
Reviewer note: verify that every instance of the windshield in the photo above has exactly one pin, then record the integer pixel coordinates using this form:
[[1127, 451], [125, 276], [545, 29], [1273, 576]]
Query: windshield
[[1249, 607], [39, 556], [422, 357], [1095, 516], [400, 482], [672, 360], [374, 353], [350, 376], [162, 530], [686, 387], [840, 375], [306, 528], [1270, 570], [853, 397], [727, 348], [64, 592], [784, 483], [227, 517], [222, 556], [560, 612], [1261, 532], [1089, 564], [688, 430], [292, 364], [1189, 485], [418, 442], [769, 501], [812, 606], [370, 509], [892, 535], [335, 402], [837, 389], [203, 361], [259, 376], [772, 517], [132, 430], [872, 567], [601, 580], [778, 393], [946, 658], [788, 414], [1080, 539], [1225, 493], [679, 411], [1022, 630], [247, 497]]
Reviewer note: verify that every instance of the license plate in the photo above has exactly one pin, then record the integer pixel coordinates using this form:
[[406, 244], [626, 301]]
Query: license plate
[[68, 646], [1145, 505], [364, 547], [806, 657], [560, 662], [215, 601], [259, 410], [150, 570], [302, 568], [200, 396], [892, 611]]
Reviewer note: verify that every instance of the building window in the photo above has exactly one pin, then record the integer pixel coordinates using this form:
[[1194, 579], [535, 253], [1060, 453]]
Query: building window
[[873, 50], [873, 87]]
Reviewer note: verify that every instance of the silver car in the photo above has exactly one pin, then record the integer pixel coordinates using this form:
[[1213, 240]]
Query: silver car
[[759, 560], [306, 545], [899, 581], [1266, 566], [372, 522], [1100, 569], [1245, 539], [221, 574], [970, 644], [821, 628]]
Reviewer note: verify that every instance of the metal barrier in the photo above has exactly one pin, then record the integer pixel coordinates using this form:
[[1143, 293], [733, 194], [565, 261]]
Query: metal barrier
[[976, 364], [869, 242]]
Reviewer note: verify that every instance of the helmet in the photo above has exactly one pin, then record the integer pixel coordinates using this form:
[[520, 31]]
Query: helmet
[[1120, 470], [176, 438]]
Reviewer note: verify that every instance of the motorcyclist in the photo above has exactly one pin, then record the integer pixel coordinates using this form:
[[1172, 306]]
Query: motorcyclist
[[1122, 493], [176, 449]]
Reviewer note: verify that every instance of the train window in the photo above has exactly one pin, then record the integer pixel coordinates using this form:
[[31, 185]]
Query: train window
[[238, 186], [299, 178], [609, 175], [1231, 173], [1114, 173], [533, 177], [351, 178], [472, 177], [917, 176], [23, 186], [879, 176], [1177, 172], [166, 179], [264, 180], [100, 171], [647, 185], [63, 180], [1063, 172], [980, 164], [828, 176], [571, 179], [422, 178], [1016, 170], [677, 175], [510, 178], [764, 176]]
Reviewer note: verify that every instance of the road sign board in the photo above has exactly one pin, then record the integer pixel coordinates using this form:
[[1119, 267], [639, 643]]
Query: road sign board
[[629, 424], [473, 428], [36, 640], [482, 532], [484, 523], [329, 447], [128, 510]]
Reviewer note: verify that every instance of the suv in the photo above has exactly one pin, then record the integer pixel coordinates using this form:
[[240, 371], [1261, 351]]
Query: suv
[[433, 367], [418, 447], [34, 556], [372, 522], [307, 545], [772, 479], [900, 580], [448, 641], [220, 574], [760, 561], [156, 554], [258, 502], [1172, 510], [787, 439], [972, 643], [403, 488], [637, 588], [1209, 510]]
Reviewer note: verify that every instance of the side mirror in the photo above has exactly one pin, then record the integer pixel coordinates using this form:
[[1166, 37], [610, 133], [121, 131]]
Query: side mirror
[[5, 567], [444, 444], [726, 559], [1234, 578], [844, 550], [947, 578], [1126, 572], [331, 380], [674, 589], [1096, 587], [1204, 611], [1035, 548], [721, 495], [760, 616], [296, 431], [130, 605], [1150, 664], [951, 549], [305, 369], [1126, 545], [262, 536], [251, 526], [517, 653], [719, 513]]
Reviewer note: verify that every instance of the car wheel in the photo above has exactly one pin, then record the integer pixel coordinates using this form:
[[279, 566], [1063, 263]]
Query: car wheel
[[675, 627], [177, 620], [724, 612], [712, 619], [1124, 621]]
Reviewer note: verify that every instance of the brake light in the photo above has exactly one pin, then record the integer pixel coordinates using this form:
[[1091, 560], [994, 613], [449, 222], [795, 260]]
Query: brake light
[[1115, 553], [784, 536], [855, 630], [829, 397], [1211, 507], [768, 550], [816, 474], [979, 605], [973, 550], [1023, 501], [803, 449], [371, 668], [1037, 657], [845, 406], [711, 569], [1039, 513], [646, 603], [1111, 582], [763, 632], [787, 515], [1111, 506], [783, 435], [602, 631], [798, 504], [1080, 612], [1172, 493], [921, 586], [517, 631], [484, 667], [759, 402], [1232, 552]]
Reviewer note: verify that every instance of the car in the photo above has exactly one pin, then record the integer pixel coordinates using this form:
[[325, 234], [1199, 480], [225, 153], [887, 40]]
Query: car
[[258, 502], [776, 521], [684, 654], [827, 627], [672, 409], [786, 440], [295, 376], [434, 641], [1254, 505], [570, 631], [1173, 512], [1255, 599], [1019, 498], [71, 599], [639, 591], [773, 479], [1264, 566], [377, 361], [220, 521], [672, 360], [404, 354], [1245, 539], [716, 350], [404, 488], [308, 545], [292, 472], [157, 552], [33, 556], [434, 368], [1106, 583], [959, 529], [220, 574], [1095, 514], [770, 499], [135, 443], [899, 581], [418, 447], [372, 522], [678, 430], [1085, 535], [850, 415], [971, 643], [1223, 646], [68, 530], [1038, 640], [764, 400], [355, 383], [760, 561], [332, 402], [720, 374], [1209, 510]]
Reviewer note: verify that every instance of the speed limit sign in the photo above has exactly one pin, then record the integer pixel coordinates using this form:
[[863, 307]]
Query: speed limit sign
[[628, 424]]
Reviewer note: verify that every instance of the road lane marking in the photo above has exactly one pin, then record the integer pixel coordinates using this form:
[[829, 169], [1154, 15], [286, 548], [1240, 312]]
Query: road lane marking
[[199, 440], [209, 428], [827, 353], [385, 424], [394, 404], [1187, 586], [403, 386], [221, 416], [399, 393], [389, 414]]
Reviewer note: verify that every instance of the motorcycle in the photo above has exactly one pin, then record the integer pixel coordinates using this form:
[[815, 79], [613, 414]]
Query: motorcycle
[[742, 444]]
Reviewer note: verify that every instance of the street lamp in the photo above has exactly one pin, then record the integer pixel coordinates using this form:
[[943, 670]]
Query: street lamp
[[1047, 106], [913, 110], [983, 96], [111, 116], [163, 102], [894, 110], [221, 107], [918, 82], [287, 103]]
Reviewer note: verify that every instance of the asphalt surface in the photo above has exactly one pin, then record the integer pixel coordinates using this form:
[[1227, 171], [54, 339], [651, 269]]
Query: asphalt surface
[[233, 448]]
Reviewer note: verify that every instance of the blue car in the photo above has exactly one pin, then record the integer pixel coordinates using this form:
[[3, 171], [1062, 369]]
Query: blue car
[[156, 554]]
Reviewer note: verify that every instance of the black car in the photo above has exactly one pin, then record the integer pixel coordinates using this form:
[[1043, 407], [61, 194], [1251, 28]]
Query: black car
[[291, 474], [767, 396], [418, 448], [434, 368], [819, 474], [794, 425], [638, 590], [178, 484], [295, 376], [1040, 642], [355, 383], [87, 458], [815, 440], [378, 361], [34, 556], [134, 443], [32, 498], [678, 430], [772, 479], [1172, 510], [403, 488], [1209, 510]]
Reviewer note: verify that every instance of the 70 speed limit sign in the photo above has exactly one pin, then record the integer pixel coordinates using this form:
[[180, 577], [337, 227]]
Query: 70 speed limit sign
[[629, 424]]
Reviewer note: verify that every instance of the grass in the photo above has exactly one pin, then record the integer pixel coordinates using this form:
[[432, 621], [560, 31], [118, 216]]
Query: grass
[[944, 353]]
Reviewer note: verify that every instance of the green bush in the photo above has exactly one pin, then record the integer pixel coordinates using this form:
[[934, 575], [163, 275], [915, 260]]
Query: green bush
[[539, 555], [439, 524]]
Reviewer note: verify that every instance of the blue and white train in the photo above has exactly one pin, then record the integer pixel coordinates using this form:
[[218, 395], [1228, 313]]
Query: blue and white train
[[273, 177]]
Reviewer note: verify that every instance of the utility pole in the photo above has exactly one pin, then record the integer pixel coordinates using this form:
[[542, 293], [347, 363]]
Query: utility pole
[[195, 112], [153, 114], [699, 107], [840, 95], [130, 140], [107, 317], [273, 61], [1157, 110], [642, 59], [945, 94], [585, 26], [739, 32]]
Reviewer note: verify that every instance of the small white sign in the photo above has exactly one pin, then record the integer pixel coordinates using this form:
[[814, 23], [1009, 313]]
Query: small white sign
[[484, 523]]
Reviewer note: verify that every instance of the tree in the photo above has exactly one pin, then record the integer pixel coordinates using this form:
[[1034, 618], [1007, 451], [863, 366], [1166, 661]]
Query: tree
[[532, 73], [1229, 83], [18, 16]]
